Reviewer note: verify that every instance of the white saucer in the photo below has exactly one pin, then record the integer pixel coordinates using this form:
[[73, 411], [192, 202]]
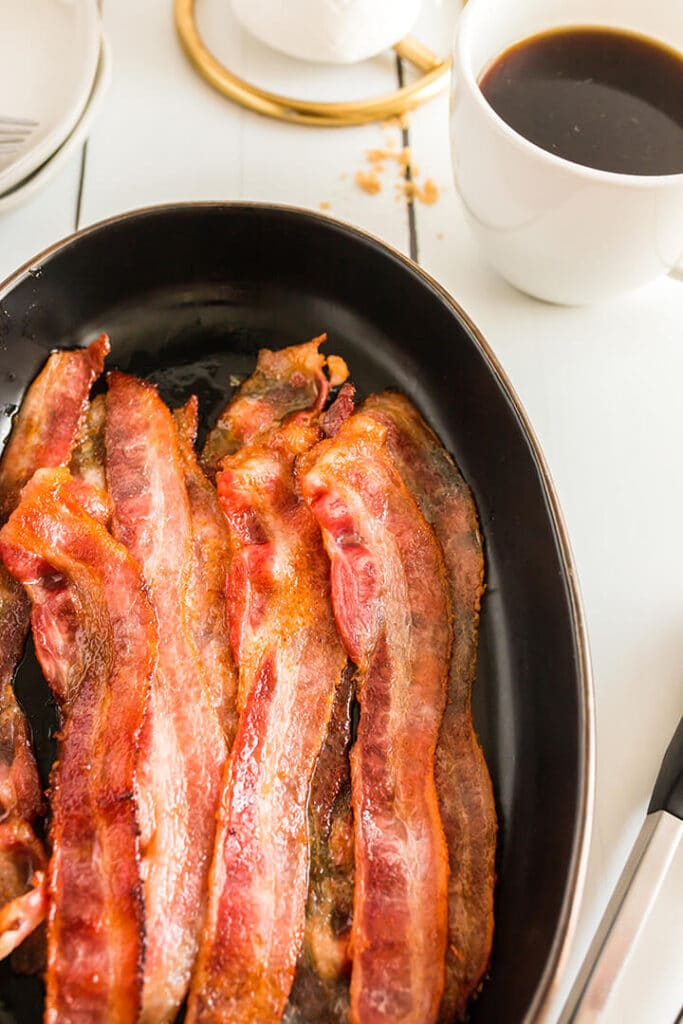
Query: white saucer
[[25, 189], [49, 52]]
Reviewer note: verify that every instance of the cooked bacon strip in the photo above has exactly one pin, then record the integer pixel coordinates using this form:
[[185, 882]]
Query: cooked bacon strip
[[284, 382], [321, 984], [212, 552], [466, 799], [43, 434], [183, 747], [49, 418], [290, 663], [95, 639], [392, 612]]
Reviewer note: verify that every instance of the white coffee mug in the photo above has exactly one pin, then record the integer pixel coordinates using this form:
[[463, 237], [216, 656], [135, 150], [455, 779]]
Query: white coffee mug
[[334, 31], [555, 229]]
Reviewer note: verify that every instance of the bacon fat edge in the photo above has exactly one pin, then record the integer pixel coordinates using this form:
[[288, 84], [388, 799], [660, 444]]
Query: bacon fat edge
[[43, 434], [290, 663], [95, 638], [463, 782], [183, 746], [392, 611]]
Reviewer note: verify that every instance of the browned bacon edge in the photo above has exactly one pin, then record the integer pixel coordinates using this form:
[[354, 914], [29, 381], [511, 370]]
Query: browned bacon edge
[[321, 984], [43, 434], [212, 553], [183, 747], [95, 639], [392, 611], [465, 793], [290, 663], [49, 418], [284, 382]]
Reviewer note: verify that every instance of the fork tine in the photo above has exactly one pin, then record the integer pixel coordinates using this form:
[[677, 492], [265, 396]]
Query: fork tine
[[18, 121]]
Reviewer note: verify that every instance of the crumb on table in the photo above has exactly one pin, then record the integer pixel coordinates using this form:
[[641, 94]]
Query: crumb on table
[[412, 190], [369, 182], [400, 156]]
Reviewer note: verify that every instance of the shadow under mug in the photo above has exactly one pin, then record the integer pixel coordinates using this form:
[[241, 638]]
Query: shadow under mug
[[555, 229]]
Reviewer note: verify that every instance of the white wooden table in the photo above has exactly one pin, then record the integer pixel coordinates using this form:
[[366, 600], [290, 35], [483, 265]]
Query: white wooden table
[[603, 386]]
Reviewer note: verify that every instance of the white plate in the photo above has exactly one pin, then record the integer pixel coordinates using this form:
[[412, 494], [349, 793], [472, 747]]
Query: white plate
[[25, 189], [49, 51]]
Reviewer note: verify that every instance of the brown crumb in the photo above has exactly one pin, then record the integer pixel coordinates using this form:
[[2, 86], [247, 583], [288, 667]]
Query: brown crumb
[[439, 235], [429, 193], [406, 190], [343, 176], [376, 156], [404, 156], [369, 182], [324, 205]]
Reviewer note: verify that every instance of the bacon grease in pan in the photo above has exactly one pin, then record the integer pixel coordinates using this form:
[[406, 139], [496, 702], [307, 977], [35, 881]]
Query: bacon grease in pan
[[95, 638], [392, 611], [43, 434], [290, 663], [183, 746], [465, 793]]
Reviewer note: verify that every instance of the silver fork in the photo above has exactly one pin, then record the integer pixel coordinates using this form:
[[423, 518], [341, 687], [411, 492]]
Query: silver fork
[[13, 132]]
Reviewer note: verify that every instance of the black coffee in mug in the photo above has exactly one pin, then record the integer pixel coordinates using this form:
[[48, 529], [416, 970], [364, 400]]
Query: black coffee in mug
[[604, 98]]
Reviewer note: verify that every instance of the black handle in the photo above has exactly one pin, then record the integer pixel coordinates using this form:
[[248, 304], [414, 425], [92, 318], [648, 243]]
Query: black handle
[[668, 792]]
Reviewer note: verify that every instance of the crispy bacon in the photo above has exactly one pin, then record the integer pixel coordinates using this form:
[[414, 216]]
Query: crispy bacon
[[465, 794], [290, 663], [49, 418], [95, 638], [321, 984], [212, 553], [43, 434], [284, 382], [183, 747], [392, 611]]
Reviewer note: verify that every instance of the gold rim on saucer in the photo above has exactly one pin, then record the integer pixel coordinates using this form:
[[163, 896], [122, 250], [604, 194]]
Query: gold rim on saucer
[[286, 108]]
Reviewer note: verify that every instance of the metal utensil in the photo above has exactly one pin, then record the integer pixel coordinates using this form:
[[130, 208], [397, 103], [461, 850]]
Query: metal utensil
[[659, 842], [13, 132]]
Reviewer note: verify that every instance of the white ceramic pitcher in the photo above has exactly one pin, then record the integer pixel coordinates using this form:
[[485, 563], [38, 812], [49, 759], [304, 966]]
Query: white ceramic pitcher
[[332, 31]]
